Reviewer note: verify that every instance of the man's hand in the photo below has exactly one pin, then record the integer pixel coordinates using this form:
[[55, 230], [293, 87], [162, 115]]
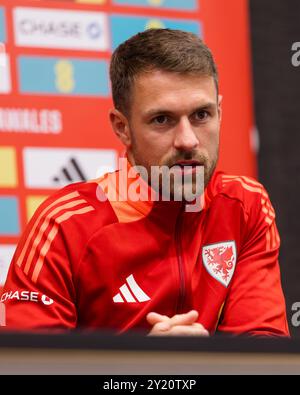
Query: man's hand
[[178, 325]]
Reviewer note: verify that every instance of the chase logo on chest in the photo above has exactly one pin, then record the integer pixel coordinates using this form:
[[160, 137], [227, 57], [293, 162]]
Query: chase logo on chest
[[219, 260]]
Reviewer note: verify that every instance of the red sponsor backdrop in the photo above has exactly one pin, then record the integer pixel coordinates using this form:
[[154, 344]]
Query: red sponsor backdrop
[[225, 28]]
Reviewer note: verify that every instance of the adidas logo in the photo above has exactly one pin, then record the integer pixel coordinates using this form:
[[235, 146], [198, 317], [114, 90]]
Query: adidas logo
[[131, 292], [71, 173]]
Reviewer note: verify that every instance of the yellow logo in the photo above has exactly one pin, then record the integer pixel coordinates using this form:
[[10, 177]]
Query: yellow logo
[[64, 76], [8, 168], [155, 2], [154, 24], [32, 203]]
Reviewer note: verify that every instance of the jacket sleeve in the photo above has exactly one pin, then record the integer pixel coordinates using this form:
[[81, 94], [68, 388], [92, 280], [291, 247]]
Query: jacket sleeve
[[255, 303], [39, 291]]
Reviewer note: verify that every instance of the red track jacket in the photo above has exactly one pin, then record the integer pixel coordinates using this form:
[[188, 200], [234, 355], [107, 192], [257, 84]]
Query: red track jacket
[[86, 263]]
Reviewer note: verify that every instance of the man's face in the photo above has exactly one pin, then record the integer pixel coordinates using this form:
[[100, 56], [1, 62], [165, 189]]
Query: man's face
[[174, 120]]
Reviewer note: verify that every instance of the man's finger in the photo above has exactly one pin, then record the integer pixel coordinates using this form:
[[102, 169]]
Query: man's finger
[[160, 329], [154, 318], [185, 319], [200, 328], [183, 330]]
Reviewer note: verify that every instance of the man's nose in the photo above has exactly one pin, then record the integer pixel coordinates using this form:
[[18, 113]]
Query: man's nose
[[185, 137]]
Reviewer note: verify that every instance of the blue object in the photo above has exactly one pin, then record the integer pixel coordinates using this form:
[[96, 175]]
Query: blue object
[[2, 26], [63, 76], [123, 27], [9, 216], [190, 5]]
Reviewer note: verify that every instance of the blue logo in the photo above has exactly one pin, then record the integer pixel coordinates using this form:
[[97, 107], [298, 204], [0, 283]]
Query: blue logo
[[123, 27], [94, 30], [9, 214], [2, 26], [63, 76], [190, 5]]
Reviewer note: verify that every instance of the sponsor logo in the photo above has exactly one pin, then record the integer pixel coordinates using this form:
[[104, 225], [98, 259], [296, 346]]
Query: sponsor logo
[[2, 26], [8, 165], [72, 172], [94, 30], [26, 296], [61, 166], [32, 203], [130, 292], [77, 77], [50, 28], [6, 254], [9, 214], [124, 27], [25, 120], [219, 260], [154, 24], [46, 300]]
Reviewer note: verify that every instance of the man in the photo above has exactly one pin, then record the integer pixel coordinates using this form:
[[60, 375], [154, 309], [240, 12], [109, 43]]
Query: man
[[101, 255]]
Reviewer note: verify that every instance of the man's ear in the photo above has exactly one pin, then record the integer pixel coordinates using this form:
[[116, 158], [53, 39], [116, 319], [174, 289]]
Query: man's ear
[[220, 98], [120, 126]]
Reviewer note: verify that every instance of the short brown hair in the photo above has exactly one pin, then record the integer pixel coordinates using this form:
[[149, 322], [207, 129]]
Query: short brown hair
[[163, 49]]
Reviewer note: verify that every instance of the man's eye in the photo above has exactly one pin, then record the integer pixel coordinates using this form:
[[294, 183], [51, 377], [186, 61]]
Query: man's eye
[[201, 115], [160, 120]]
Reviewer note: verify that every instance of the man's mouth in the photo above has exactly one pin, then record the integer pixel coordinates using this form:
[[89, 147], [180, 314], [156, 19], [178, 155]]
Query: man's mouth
[[189, 162], [187, 166]]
